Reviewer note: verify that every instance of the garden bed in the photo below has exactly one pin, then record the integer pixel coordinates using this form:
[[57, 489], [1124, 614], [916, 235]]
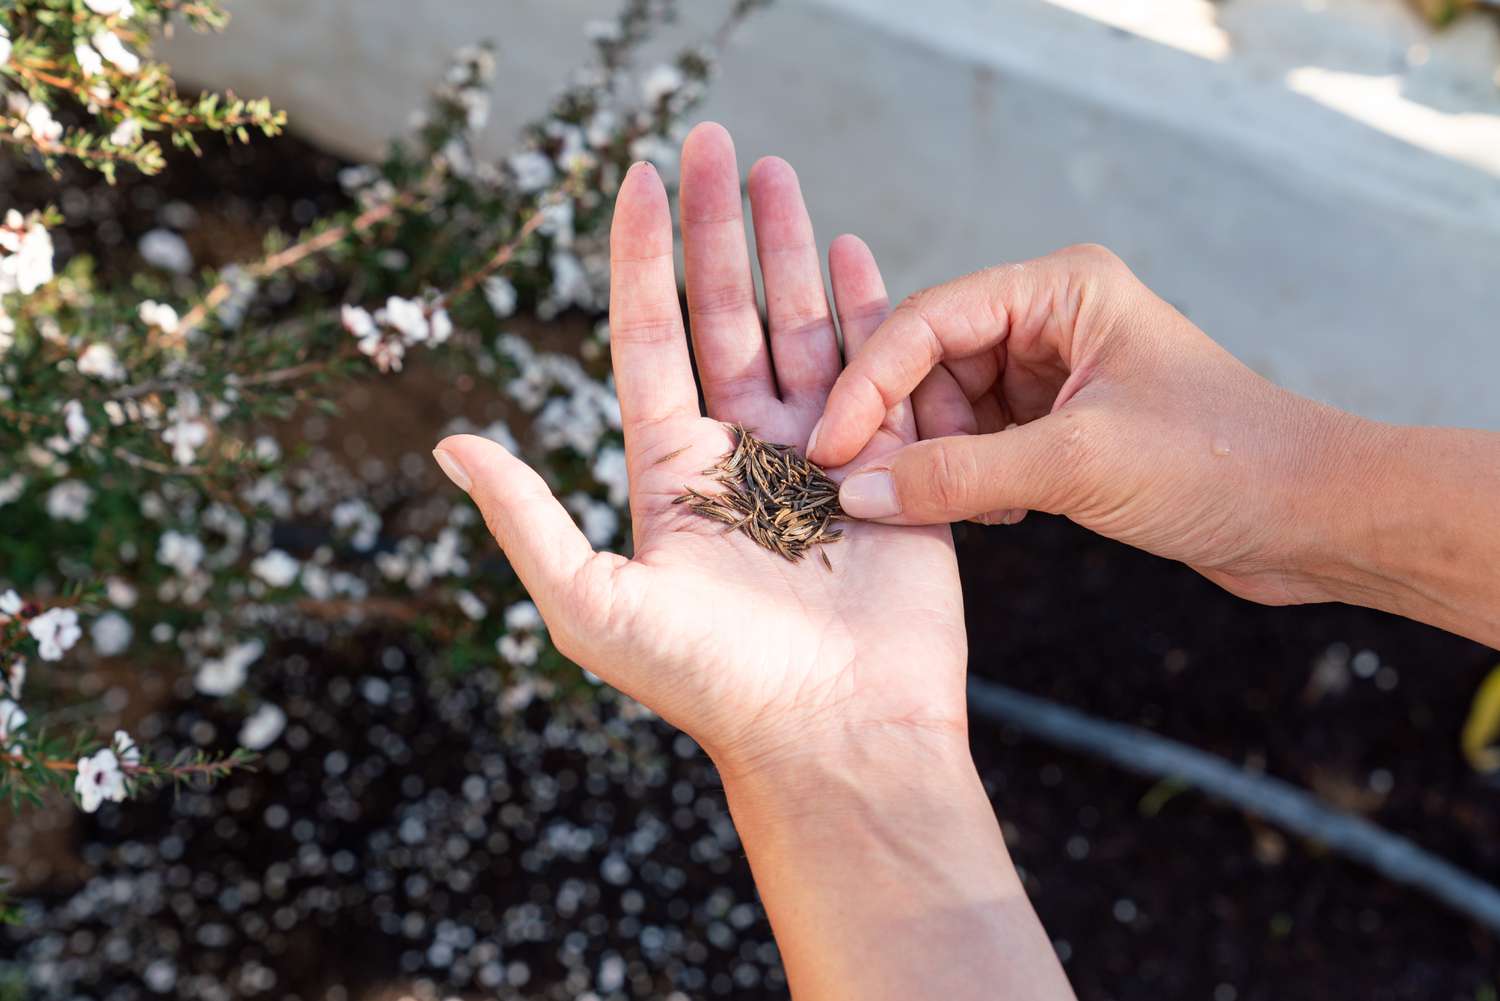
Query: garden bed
[[405, 822]]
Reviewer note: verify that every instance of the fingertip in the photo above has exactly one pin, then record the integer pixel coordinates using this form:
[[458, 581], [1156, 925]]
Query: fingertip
[[772, 171], [849, 248], [642, 222], [464, 445], [708, 135], [642, 184], [710, 176]]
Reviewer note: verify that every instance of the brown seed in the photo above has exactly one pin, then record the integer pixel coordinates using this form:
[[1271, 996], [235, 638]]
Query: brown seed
[[773, 495]]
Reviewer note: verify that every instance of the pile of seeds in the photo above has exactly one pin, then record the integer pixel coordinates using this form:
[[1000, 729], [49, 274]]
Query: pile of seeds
[[774, 495]]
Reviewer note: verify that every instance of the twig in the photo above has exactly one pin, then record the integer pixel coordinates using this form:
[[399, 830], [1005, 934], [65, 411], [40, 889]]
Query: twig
[[65, 765], [291, 256], [1280, 802], [500, 259]]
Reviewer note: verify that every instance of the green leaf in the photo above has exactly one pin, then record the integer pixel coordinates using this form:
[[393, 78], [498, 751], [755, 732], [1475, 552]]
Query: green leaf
[[1483, 725]]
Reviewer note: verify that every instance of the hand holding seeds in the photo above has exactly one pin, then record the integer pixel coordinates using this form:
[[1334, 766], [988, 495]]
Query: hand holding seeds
[[718, 620], [831, 696]]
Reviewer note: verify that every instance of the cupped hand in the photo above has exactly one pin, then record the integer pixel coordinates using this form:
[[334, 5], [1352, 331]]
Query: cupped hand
[[754, 656], [1065, 385]]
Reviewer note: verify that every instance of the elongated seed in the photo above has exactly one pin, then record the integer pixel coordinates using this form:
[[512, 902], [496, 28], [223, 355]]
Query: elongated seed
[[773, 495]]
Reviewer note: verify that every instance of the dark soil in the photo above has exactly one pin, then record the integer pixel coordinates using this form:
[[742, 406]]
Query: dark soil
[[1161, 896]]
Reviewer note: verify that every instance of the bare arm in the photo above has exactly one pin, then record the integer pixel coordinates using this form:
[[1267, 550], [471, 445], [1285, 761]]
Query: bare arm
[[885, 875], [1424, 533]]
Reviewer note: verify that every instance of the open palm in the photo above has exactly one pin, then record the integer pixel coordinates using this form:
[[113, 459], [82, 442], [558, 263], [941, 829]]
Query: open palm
[[749, 653]]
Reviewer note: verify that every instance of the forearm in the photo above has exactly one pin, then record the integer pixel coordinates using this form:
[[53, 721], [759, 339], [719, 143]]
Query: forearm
[[885, 875], [1420, 529]]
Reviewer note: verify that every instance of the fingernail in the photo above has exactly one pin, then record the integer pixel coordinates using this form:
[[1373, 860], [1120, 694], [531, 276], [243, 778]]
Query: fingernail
[[812, 439], [453, 468], [870, 495]]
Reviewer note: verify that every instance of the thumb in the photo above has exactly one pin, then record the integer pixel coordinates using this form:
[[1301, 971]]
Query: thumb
[[544, 546], [1031, 466]]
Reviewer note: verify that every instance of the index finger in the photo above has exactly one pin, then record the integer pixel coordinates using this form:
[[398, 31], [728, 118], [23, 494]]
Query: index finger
[[954, 320], [653, 373]]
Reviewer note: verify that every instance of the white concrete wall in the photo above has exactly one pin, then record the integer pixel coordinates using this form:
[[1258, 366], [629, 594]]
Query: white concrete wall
[[1319, 187]]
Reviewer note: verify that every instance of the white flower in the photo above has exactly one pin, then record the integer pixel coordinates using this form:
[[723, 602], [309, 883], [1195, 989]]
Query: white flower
[[99, 779], [470, 605], [11, 604], [100, 361], [160, 315], [27, 265], [164, 249], [125, 748], [11, 488], [88, 59], [442, 326], [387, 353], [55, 632], [523, 616], [570, 283], [358, 321], [407, 317], [187, 431], [111, 48], [533, 170], [39, 119], [12, 718], [609, 470], [662, 82], [522, 651], [120, 592], [226, 673], [75, 423], [181, 552], [111, 634], [557, 222], [127, 133], [15, 677], [359, 518], [108, 7], [4, 45], [262, 727], [277, 568], [500, 294], [242, 288], [69, 501]]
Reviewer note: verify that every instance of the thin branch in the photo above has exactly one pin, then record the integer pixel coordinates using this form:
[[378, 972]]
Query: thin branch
[[500, 259], [177, 771], [291, 256]]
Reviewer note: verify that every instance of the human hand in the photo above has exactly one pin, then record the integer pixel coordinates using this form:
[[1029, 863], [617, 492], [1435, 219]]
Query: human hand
[[1065, 385], [753, 656]]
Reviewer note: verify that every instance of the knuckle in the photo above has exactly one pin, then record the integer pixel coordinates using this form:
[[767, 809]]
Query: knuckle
[[947, 479], [1094, 255], [715, 301]]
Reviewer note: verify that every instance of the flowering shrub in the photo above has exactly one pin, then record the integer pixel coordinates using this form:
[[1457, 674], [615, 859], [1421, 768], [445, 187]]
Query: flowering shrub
[[146, 501]]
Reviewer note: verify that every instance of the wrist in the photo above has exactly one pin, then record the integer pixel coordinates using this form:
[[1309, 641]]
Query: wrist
[[1335, 505], [852, 770], [1410, 528]]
